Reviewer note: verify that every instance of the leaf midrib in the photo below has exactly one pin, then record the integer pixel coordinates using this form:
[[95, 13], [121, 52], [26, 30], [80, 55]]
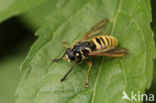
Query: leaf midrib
[[97, 78]]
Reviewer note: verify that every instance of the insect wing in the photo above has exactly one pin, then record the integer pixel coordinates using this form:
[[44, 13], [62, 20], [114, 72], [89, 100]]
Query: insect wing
[[96, 29], [117, 52]]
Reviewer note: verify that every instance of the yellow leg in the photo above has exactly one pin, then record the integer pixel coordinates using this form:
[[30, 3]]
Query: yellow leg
[[65, 44], [75, 42], [90, 65]]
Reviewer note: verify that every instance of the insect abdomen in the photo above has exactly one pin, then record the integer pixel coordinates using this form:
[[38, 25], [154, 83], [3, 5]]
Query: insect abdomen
[[104, 41]]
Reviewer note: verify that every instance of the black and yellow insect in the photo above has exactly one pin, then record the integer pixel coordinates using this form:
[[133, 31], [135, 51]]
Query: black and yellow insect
[[93, 44]]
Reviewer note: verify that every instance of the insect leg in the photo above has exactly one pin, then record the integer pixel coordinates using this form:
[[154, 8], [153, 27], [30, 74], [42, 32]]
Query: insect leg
[[65, 44], [75, 42], [90, 65], [62, 79]]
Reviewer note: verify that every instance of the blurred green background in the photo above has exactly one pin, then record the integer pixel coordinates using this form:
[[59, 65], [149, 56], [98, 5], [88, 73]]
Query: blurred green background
[[14, 46]]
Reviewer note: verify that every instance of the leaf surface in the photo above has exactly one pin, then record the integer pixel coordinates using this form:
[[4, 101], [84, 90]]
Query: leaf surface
[[109, 77], [9, 8], [36, 17]]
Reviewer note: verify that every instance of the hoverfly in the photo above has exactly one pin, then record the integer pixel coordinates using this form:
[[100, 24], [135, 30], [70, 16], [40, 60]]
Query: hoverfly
[[93, 44]]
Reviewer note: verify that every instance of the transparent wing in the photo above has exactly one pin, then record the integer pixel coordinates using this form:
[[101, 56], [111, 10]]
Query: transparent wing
[[97, 29], [117, 52]]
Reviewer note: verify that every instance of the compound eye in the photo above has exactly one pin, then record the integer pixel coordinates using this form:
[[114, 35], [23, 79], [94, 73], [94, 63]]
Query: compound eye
[[68, 50], [72, 57], [70, 54]]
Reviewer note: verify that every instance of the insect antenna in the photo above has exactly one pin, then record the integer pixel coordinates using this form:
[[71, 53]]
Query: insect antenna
[[56, 59]]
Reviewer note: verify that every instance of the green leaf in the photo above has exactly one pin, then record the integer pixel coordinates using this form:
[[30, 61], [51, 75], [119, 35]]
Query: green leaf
[[9, 8], [37, 16], [153, 25], [9, 77], [109, 77]]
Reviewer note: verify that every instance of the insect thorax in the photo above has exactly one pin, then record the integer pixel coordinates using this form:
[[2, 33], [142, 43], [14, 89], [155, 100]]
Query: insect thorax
[[82, 49]]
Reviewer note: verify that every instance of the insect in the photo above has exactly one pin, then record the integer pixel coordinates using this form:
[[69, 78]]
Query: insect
[[94, 43]]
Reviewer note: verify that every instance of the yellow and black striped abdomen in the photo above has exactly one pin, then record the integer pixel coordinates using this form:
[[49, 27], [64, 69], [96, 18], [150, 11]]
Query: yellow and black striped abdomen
[[104, 41]]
